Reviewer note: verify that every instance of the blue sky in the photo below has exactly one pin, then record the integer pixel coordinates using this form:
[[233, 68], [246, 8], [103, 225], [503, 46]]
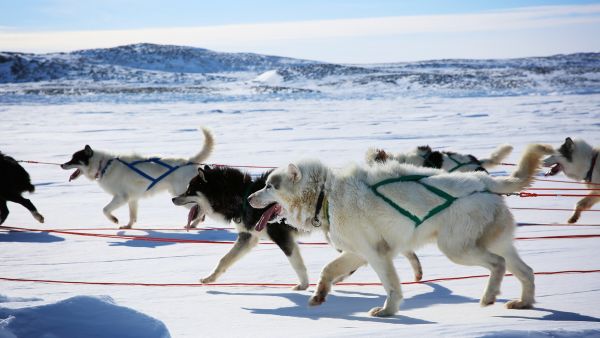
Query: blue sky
[[339, 31]]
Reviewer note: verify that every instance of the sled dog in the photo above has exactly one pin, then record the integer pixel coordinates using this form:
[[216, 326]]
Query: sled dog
[[579, 161], [14, 181], [424, 156], [373, 213], [131, 177]]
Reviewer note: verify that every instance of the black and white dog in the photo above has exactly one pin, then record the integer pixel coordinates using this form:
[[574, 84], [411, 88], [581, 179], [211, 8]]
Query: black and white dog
[[424, 156], [221, 193], [131, 177], [14, 181], [579, 161]]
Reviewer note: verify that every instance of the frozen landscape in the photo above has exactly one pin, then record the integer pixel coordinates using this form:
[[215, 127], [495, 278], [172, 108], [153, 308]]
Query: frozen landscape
[[268, 111]]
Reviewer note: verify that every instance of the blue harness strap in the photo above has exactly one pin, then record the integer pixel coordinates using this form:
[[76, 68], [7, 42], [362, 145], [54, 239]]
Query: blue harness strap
[[449, 199], [154, 181]]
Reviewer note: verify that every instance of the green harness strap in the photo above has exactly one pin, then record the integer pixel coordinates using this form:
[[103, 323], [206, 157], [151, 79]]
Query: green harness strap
[[458, 164], [414, 178]]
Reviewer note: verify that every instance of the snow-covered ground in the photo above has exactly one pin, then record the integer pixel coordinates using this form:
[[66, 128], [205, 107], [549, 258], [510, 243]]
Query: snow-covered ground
[[272, 133]]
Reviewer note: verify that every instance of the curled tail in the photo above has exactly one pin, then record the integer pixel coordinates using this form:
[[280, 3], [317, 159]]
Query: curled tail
[[522, 177], [497, 156], [209, 143]]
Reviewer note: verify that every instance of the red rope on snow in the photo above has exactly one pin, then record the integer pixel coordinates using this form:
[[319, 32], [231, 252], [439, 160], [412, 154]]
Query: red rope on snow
[[434, 280], [559, 181], [205, 241], [533, 194]]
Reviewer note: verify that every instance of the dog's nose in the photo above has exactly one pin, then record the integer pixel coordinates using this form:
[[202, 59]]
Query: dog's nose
[[174, 199]]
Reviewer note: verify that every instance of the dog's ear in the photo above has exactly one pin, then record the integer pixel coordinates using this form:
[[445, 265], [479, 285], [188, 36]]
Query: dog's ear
[[569, 143], [88, 151], [201, 175], [294, 172]]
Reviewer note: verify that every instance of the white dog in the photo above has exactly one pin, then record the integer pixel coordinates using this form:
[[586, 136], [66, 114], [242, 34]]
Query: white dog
[[371, 214], [131, 177], [424, 156], [578, 160]]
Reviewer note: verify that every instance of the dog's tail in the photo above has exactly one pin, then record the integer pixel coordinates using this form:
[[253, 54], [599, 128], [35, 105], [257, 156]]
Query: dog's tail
[[523, 176], [209, 143], [374, 156], [497, 156]]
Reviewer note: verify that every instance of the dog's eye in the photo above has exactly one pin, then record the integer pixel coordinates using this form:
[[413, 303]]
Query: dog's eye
[[269, 186]]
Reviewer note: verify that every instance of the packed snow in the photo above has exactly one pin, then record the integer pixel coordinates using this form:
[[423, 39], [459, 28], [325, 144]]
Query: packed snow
[[272, 131]]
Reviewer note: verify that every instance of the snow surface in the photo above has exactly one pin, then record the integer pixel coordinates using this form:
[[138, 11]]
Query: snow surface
[[267, 133]]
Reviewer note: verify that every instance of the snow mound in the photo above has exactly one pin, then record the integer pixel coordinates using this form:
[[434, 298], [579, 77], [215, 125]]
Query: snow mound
[[270, 77], [80, 316]]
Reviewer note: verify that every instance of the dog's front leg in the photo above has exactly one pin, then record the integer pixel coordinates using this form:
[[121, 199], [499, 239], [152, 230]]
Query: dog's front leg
[[583, 204], [115, 203], [383, 265], [244, 243], [346, 263], [3, 211]]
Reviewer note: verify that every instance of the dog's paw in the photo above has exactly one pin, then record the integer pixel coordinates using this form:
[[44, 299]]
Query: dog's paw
[[208, 280], [518, 305], [380, 312], [487, 301], [125, 227], [418, 277], [300, 287], [316, 300], [38, 217], [573, 219], [113, 219]]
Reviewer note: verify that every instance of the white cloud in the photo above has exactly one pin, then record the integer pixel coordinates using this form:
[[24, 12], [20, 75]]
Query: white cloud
[[276, 36]]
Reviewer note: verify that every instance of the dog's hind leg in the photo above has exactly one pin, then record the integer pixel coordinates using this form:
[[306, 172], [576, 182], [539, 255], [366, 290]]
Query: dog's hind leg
[[345, 264], [133, 209], [115, 203], [27, 204], [524, 274], [244, 243], [283, 237], [415, 264], [3, 211], [582, 205], [462, 253]]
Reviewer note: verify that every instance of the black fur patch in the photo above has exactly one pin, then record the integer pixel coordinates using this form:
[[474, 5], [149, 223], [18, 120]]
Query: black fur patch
[[227, 190], [381, 156], [566, 149], [81, 157], [434, 159]]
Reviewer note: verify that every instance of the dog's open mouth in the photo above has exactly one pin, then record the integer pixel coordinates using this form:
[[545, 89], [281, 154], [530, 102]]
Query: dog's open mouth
[[271, 213], [75, 175], [554, 169], [194, 214]]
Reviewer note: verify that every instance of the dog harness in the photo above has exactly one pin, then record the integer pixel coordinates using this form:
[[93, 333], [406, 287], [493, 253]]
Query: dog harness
[[153, 180], [588, 176], [428, 163], [449, 199]]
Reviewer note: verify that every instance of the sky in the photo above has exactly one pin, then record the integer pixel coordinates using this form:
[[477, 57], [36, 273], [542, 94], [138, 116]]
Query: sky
[[350, 31]]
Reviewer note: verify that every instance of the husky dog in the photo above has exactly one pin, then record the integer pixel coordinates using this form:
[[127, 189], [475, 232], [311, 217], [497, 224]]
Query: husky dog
[[131, 177], [578, 160], [424, 156], [14, 181], [373, 213]]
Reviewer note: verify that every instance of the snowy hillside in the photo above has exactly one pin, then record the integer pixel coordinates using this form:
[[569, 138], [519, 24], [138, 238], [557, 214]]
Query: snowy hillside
[[146, 71]]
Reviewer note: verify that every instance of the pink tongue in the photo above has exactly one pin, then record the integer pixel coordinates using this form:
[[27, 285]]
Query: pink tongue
[[266, 217], [555, 169], [193, 214], [74, 175]]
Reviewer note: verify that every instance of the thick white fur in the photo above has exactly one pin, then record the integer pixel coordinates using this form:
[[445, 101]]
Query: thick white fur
[[577, 169], [415, 157], [477, 229], [127, 187]]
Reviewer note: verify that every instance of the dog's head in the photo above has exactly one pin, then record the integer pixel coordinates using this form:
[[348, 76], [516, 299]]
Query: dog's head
[[572, 157], [196, 198], [291, 192], [80, 161]]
